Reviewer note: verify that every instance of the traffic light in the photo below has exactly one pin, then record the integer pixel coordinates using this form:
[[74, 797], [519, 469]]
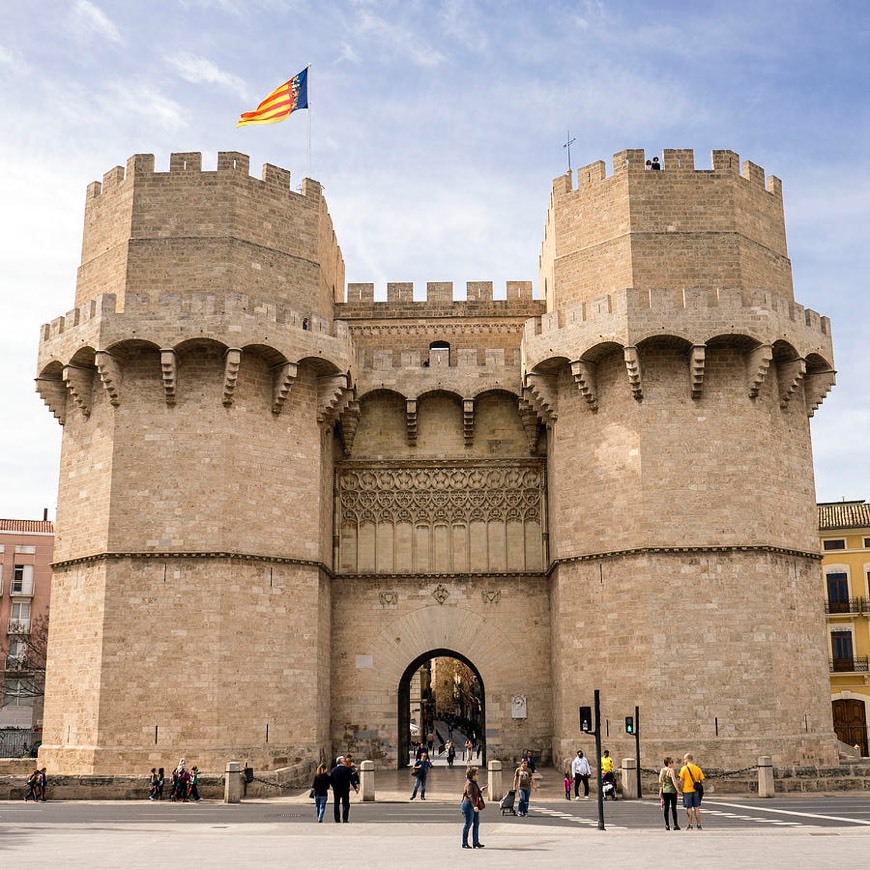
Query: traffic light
[[629, 724], [586, 719]]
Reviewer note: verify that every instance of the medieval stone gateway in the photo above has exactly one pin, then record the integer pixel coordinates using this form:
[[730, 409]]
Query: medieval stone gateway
[[277, 494]]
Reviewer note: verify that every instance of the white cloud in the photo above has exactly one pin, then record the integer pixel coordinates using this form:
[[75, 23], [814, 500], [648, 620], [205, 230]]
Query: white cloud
[[199, 70], [347, 54], [88, 20], [397, 39], [8, 57]]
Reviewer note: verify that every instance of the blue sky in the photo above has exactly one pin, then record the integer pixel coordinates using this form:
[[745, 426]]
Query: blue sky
[[437, 130]]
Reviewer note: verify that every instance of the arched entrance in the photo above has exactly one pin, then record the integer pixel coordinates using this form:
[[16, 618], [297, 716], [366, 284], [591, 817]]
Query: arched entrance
[[447, 691], [850, 722]]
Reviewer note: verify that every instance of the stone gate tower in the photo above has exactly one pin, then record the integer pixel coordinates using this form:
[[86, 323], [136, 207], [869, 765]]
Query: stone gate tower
[[684, 552], [279, 495]]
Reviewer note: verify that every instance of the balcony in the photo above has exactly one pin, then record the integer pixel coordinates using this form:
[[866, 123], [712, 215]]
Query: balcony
[[19, 626], [853, 665], [849, 606], [21, 587], [16, 662]]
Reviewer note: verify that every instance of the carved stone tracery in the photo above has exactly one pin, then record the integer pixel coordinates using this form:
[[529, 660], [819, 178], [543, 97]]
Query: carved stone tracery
[[424, 494]]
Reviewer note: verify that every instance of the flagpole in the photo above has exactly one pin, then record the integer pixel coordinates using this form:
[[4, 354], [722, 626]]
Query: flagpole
[[310, 112]]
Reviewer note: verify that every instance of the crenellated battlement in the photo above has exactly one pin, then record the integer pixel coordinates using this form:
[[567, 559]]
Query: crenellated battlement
[[671, 305], [173, 307], [678, 161], [440, 294], [186, 165]]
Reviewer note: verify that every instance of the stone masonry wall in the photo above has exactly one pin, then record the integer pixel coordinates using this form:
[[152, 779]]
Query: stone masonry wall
[[379, 629]]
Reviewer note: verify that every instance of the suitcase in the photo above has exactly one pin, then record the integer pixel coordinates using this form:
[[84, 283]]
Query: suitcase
[[507, 803]]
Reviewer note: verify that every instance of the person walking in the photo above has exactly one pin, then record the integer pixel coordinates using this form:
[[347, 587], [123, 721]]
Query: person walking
[[421, 774], [161, 779], [193, 785], [472, 804], [320, 787], [451, 753], [580, 771], [343, 778], [43, 785], [32, 793], [669, 788], [691, 777], [153, 781], [608, 777], [523, 784]]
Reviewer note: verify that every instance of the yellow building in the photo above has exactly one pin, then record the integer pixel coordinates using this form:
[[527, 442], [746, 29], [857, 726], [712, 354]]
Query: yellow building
[[844, 530]]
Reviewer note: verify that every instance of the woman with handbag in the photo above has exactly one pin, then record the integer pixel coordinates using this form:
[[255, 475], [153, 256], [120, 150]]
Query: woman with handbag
[[320, 790], [669, 788], [472, 804]]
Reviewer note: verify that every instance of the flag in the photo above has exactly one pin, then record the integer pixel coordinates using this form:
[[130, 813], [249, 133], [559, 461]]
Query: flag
[[286, 98]]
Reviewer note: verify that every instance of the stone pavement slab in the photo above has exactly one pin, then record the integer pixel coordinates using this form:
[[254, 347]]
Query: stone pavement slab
[[374, 847]]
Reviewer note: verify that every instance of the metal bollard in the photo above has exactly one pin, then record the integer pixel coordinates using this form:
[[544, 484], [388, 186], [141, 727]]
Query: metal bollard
[[495, 789], [233, 783], [766, 788], [367, 780]]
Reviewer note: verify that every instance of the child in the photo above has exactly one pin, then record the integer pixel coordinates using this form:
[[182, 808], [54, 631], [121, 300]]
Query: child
[[567, 784]]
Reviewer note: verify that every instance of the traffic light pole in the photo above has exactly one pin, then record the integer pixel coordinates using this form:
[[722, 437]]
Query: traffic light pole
[[598, 760], [637, 747]]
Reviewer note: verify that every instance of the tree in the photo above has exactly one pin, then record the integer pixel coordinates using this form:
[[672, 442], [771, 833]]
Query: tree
[[23, 654]]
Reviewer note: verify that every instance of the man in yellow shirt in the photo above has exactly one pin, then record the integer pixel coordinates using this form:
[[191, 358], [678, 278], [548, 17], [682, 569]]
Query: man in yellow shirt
[[608, 779], [692, 776]]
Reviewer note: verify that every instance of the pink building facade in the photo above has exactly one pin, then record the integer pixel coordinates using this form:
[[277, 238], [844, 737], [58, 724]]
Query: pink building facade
[[26, 550]]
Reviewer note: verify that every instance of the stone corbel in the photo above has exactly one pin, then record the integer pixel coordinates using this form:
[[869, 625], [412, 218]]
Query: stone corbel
[[529, 418], [80, 384], [348, 423], [53, 392], [540, 391], [790, 375], [584, 373], [632, 367], [110, 374], [816, 386], [757, 363], [333, 396], [411, 421], [468, 421], [283, 376], [697, 362], [169, 372], [232, 362]]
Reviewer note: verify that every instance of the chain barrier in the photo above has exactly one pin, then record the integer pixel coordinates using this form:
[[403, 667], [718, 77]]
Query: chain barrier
[[713, 774]]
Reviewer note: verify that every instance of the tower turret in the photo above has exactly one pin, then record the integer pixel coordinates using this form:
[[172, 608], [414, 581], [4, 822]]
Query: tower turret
[[676, 376], [197, 379]]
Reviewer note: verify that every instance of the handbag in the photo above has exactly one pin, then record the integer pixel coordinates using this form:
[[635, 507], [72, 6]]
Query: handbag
[[311, 793]]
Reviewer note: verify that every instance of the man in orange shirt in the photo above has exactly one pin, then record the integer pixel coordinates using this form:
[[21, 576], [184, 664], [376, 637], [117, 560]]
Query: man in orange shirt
[[692, 776]]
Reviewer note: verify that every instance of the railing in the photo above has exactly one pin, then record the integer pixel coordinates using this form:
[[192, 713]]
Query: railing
[[850, 605], [21, 588], [856, 664], [16, 663], [19, 626]]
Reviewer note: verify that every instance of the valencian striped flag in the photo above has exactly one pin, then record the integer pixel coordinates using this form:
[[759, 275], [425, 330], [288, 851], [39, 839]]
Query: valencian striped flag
[[286, 98]]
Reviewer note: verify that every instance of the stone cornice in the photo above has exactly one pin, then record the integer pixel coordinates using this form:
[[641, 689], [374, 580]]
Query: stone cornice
[[656, 551], [207, 554]]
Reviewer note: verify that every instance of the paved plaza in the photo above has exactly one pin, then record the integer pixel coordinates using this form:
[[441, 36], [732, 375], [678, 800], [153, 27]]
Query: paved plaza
[[809, 831]]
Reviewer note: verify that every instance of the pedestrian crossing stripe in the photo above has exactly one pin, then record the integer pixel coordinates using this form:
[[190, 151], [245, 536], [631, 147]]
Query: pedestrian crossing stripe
[[558, 814]]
